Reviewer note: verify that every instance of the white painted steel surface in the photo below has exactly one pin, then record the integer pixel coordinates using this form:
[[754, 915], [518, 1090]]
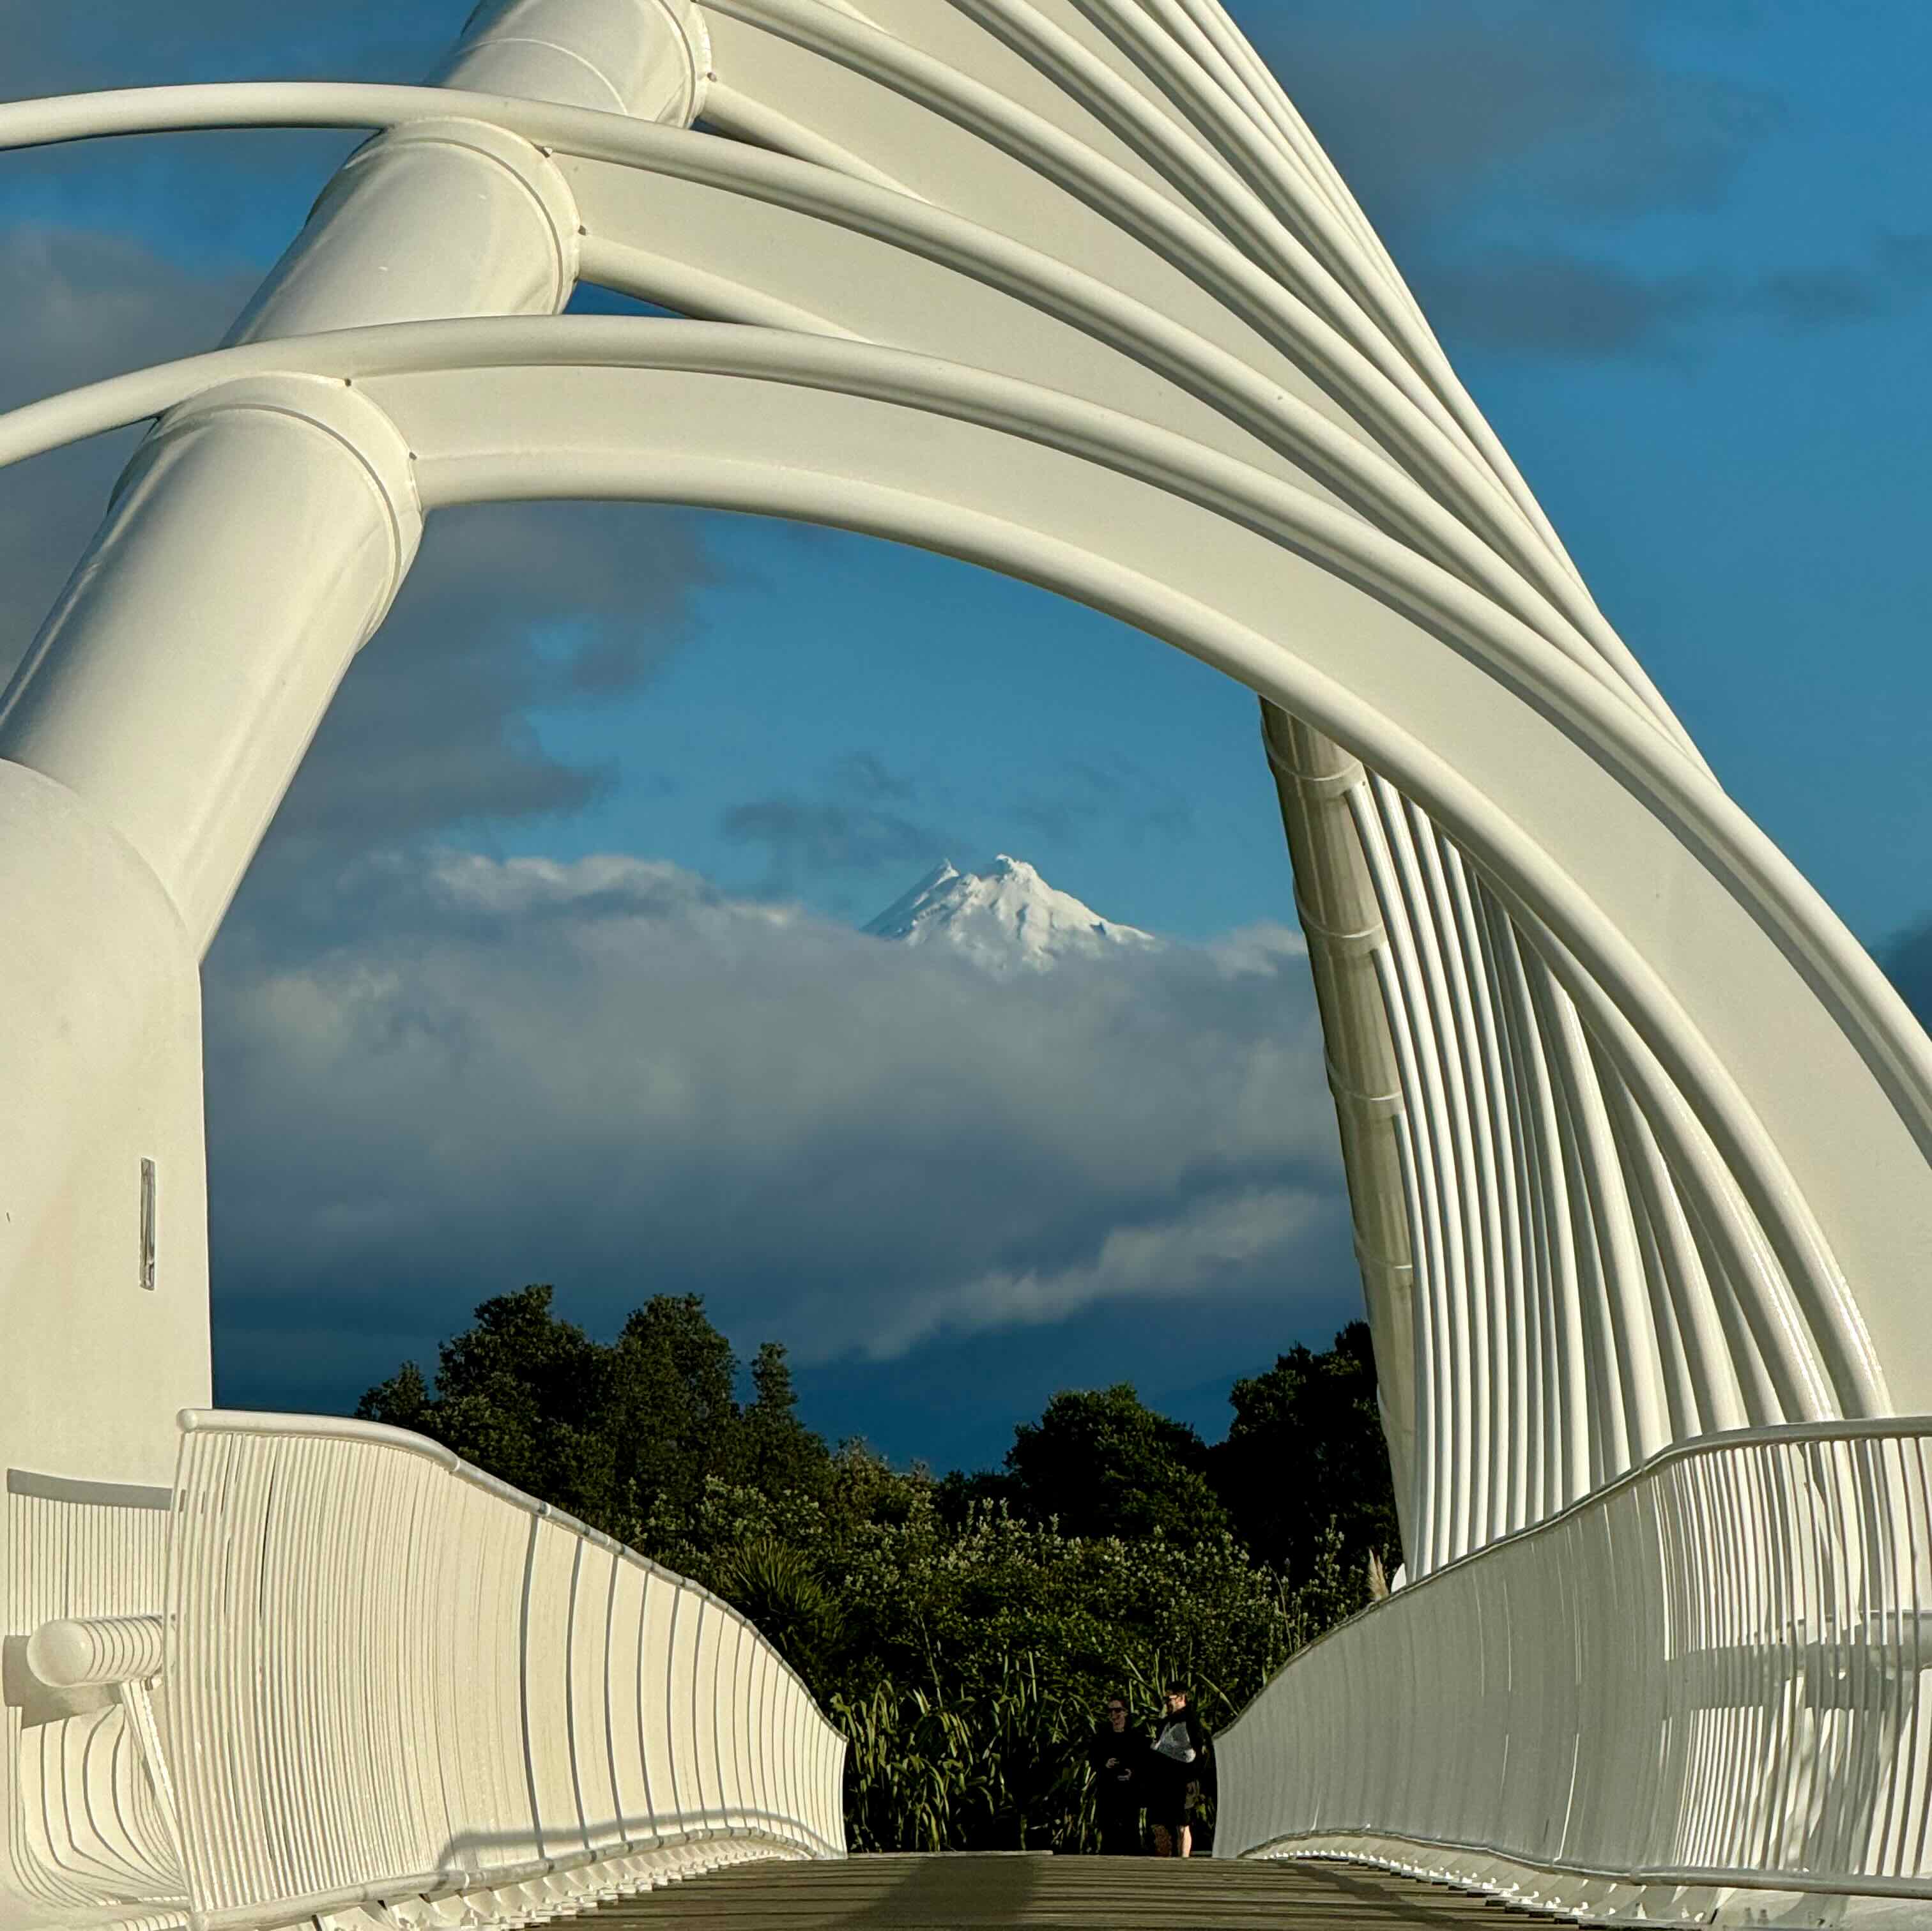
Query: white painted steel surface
[[1638, 1141], [1704, 1680], [390, 1676]]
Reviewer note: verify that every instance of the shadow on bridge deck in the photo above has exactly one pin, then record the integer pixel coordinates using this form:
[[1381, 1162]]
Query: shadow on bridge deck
[[1045, 1893]]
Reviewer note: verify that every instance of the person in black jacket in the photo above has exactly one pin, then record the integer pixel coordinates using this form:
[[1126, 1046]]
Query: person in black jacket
[[1121, 1760], [1179, 1764]]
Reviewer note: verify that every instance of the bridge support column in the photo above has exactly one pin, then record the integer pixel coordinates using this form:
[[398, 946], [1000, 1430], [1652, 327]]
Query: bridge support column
[[252, 547], [1336, 899]]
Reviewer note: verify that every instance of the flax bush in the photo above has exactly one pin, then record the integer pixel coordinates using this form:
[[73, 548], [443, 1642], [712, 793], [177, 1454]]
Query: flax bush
[[964, 1633], [967, 1662]]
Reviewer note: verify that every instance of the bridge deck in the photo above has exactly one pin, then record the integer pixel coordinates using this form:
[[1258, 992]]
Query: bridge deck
[[1046, 1893]]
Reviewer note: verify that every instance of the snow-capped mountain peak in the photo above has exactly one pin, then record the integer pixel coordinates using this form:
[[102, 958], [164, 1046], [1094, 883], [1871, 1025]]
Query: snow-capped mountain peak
[[1005, 918]]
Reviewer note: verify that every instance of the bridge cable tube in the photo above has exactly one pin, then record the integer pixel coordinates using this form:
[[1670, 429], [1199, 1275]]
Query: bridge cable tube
[[1438, 1259], [1386, 496], [1418, 1194], [1377, 387], [1763, 1402], [1468, 1284], [1338, 289], [696, 293], [1157, 129], [1528, 1456], [1233, 45], [1226, 199], [1680, 1387], [1609, 1447], [1214, 21], [1765, 1323], [1518, 1396], [1561, 1288], [798, 17], [1493, 1342], [1536, 1242], [745, 119], [1567, 912], [1710, 1392], [1496, 1165], [1191, 74], [1772, 1388], [1633, 1355]]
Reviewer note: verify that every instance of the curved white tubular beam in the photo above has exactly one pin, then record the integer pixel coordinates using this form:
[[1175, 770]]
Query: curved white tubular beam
[[1566, 706], [1341, 287], [1187, 69], [952, 154], [356, 105], [1330, 453], [861, 268]]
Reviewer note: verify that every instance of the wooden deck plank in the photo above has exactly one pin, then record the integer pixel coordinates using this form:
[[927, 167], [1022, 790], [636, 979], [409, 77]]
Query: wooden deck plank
[[1024, 1893]]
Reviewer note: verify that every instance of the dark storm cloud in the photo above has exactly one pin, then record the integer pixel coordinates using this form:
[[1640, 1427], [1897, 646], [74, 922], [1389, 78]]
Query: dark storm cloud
[[80, 307], [863, 816], [67, 48], [470, 1073], [1129, 801], [1557, 304], [510, 612], [1897, 272], [1426, 108], [1907, 960], [801, 837]]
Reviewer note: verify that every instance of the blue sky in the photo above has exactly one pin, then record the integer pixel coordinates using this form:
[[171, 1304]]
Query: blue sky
[[1682, 254]]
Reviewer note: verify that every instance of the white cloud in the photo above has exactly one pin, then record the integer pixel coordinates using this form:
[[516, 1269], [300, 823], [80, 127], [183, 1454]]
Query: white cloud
[[1220, 1238], [435, 1078]]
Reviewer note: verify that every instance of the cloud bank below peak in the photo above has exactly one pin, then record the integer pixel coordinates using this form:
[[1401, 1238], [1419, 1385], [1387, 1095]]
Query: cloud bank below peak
[[469, 1072]]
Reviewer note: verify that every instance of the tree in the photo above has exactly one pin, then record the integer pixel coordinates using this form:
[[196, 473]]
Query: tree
[[517, 1393], [621, 1434], [1101, 1462], [1306, 1449], [778, 1453], [670, 1411], [963, 1633]]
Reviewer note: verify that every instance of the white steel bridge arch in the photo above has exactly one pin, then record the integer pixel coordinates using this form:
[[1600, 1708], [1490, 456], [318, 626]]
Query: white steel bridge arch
[[1639, 1141]]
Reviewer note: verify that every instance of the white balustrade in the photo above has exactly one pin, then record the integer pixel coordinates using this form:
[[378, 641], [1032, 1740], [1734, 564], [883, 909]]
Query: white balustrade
[[1705, 1678], [390, 1676]]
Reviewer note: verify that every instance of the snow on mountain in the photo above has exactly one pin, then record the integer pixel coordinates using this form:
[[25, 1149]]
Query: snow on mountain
[[1005, 918]]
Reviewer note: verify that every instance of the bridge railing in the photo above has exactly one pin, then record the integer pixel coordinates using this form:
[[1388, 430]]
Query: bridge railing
[[387, 1676], [1707, 1676]]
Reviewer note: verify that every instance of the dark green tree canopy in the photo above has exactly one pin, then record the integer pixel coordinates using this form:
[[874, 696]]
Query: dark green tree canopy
[[1101, 1462], [1306, 1449], [616, 1433], [964, 1633]]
